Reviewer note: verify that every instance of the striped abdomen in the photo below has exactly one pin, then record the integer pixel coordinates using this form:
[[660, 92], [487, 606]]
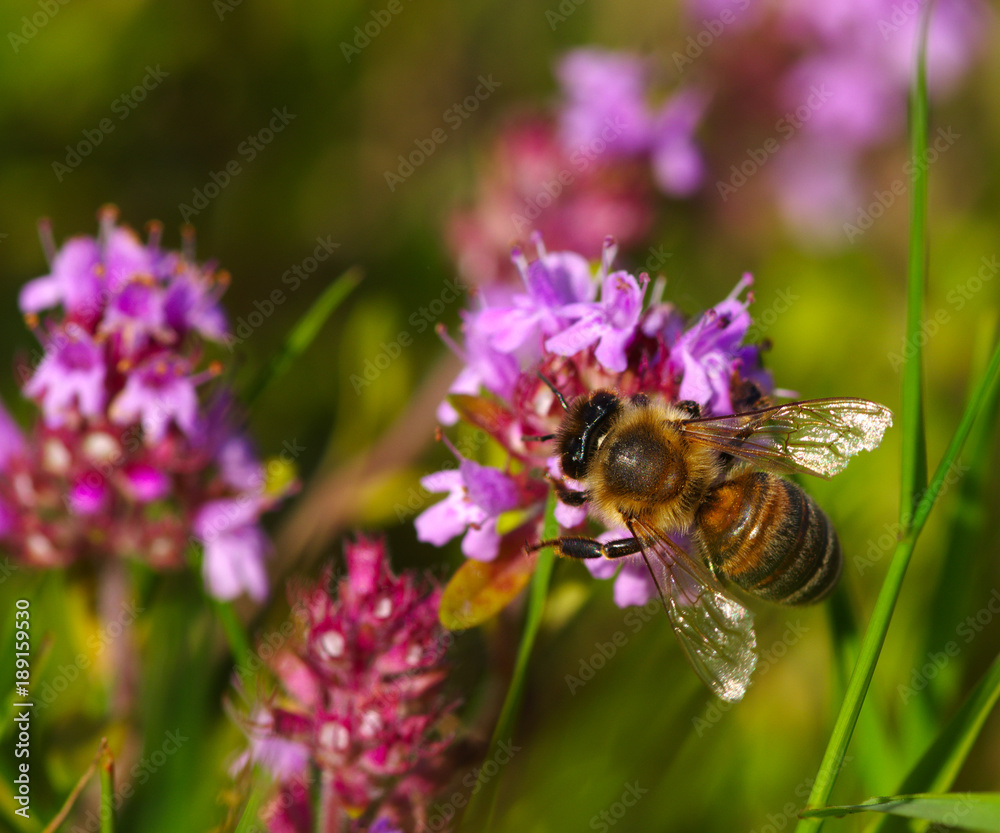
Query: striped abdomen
[[767, 536]]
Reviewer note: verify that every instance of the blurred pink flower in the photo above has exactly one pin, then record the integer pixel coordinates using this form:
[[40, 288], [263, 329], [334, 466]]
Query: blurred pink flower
[[360, 702], [128, 460]]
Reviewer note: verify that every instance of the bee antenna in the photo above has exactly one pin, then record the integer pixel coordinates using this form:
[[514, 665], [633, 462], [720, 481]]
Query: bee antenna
[[555, 390], [538, 438]]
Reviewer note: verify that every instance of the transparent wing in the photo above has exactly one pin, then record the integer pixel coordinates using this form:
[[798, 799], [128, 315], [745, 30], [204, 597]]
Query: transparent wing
[[714, 630], [816, 436]]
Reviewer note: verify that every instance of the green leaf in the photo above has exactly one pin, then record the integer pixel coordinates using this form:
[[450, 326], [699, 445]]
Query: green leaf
[[969, 811], [303, 333]]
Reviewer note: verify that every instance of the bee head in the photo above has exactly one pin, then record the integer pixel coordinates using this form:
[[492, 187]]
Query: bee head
[[587, 420]]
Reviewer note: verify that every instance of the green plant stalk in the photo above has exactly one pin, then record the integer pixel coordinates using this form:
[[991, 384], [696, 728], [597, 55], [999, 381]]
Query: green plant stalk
[[914, 471], [914, 503], [303, 333], [874, 637], [537, 595], [107, 770]]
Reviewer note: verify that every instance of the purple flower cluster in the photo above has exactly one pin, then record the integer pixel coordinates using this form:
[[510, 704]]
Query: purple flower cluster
[[360, 699], [129, 458], [583, 331], [607, 110]]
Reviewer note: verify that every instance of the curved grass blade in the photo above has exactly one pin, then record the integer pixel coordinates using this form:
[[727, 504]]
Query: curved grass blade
[[913, 496], [258, 792], [960, 577], [874, 637], [538, 593], [939, 765], [303, 333], [878, 753], [969, 811]]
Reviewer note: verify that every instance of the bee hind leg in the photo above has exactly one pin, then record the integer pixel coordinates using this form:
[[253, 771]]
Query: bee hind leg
[[589, 547]]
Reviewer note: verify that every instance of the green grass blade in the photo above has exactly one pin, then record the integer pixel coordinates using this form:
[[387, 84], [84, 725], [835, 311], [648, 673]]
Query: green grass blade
[[914, 474], [914, 456], [874, 637], [303, 333], [107, 769], [878, 753], [939, 766], [969, 811], [258, 792], [961, 573], [537, 595], [239, 642]]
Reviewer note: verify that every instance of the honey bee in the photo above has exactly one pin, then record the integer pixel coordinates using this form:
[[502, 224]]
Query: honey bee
[[661, 470]]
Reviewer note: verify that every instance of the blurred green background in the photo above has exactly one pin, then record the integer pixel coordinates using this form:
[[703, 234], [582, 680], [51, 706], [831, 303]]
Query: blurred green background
[[223, 67]]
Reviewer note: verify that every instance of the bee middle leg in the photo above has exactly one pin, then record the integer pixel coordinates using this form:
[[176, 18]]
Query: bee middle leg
[[570, 547]]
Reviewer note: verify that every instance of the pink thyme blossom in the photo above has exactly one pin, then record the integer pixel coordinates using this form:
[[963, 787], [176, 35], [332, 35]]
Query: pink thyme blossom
[[607, 106], [530, 181], [130, 457], [359, 703], [839, 75], [624, 341]]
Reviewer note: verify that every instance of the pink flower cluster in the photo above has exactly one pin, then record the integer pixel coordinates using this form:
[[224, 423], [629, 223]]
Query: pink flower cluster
[[359, 701], [587, 171], [128, 459], [583, 332]]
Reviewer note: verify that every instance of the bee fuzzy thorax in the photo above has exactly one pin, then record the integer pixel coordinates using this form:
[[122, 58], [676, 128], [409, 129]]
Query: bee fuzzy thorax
[[636, 463]]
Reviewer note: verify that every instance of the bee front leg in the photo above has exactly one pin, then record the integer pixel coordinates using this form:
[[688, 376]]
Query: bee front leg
[[568, 496], [589, 547]]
